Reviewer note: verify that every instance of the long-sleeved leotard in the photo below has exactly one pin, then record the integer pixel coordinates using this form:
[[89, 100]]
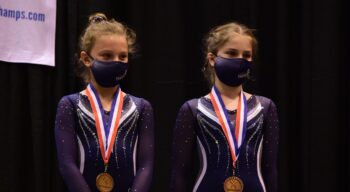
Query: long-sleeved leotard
[[131, 161], [198, 129]]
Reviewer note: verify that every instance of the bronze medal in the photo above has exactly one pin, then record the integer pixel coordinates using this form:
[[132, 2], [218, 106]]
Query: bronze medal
[[233, 184], [104, 182]]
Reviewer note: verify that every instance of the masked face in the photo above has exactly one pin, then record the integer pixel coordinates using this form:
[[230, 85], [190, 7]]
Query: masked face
[[108, 59], [108, 73], [232, 62], [233, 71]]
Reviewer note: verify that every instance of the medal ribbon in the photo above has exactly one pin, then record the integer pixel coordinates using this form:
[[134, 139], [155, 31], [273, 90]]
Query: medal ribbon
[[106, 133], [234, 135]]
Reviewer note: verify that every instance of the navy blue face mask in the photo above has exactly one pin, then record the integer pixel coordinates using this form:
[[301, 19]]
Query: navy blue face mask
[[232, 72], [108, 73]]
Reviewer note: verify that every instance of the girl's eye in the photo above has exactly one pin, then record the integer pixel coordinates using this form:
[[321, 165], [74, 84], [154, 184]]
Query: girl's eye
[[123, 57], [247, 56], [107, 56], [232, 53]]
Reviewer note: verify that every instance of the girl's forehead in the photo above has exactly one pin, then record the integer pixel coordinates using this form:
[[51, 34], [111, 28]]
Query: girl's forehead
[[111, 37], [110, 41], [238, 41]]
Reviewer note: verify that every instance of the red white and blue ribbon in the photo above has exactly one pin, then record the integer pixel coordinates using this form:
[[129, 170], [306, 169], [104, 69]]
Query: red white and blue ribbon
[[106, 132], [234, 135]]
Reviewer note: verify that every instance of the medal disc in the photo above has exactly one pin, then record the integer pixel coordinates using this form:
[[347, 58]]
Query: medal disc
[[104, 182], [233, 184]]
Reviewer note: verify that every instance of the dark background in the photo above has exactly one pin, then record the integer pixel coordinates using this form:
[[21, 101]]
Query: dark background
[[302, 66]]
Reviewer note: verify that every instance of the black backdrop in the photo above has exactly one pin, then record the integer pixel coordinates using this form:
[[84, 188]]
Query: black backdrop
[[302, 65]]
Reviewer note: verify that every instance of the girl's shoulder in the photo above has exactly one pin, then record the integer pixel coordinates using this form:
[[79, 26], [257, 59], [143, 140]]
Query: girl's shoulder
[[140, 102], [267, 104], [265, 101], [70, 98]]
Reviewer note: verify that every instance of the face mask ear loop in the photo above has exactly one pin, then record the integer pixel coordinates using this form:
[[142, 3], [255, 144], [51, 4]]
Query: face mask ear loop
[[215, 56], [88, 54]]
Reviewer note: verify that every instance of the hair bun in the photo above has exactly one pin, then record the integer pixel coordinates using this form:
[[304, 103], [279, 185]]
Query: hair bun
[[97, 18]]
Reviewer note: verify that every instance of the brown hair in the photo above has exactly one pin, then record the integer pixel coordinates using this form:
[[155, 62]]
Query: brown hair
[[100, 25], [217, 37]]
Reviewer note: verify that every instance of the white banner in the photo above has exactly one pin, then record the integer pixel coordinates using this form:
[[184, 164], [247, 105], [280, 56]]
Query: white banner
[[27, 31]]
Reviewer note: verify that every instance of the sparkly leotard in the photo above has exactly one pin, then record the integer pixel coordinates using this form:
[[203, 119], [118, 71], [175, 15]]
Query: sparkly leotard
[[197, 127], [79, 156]]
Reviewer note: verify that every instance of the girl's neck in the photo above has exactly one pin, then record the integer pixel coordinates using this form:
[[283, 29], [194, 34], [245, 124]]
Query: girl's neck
[[229, 95]]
